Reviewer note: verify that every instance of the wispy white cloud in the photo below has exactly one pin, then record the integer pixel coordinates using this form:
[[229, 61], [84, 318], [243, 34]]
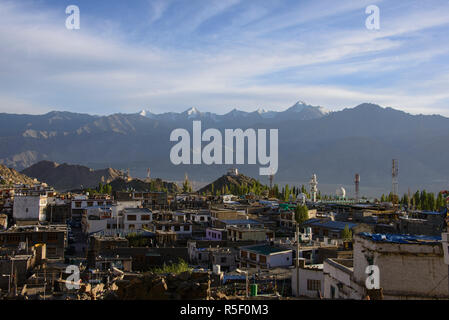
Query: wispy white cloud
[[247, 63]]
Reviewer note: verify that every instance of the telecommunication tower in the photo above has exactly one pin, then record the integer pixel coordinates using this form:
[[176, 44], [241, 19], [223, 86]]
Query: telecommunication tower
[[357, 183]]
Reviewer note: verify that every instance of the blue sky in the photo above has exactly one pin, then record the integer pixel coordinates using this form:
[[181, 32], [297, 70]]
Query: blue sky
[[171, 55]]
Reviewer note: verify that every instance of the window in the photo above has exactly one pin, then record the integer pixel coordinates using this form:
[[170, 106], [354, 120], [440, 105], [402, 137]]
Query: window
[[26, 210], [132, 217], [145, 217], [13, 238], [313, 285], [131, 226], [52, 236], [77, 204]]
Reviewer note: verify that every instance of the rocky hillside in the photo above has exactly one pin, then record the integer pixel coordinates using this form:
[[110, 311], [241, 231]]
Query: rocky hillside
[[235, 184], [121, 184], [65, 176], [11, 176]]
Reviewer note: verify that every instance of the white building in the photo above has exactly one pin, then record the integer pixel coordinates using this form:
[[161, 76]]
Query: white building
[[265, 257], [136, 219], [339, 282], [96, 219], [311, 280], [410, 267], [30, 207], [82, 202]]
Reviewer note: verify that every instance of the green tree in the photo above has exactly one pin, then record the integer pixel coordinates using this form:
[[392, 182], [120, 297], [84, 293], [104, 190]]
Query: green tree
[[417, 200], [440, 202], [346, 233], [286, 193], [301, 214], [108, 189]]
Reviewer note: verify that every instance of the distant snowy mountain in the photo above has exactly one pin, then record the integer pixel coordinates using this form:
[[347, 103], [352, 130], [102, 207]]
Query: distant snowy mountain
[[334, 145], [299, 111]]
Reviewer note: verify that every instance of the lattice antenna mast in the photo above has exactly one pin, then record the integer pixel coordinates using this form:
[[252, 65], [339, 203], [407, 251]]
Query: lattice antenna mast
[[357, 183], [271, 179], [395, 183]]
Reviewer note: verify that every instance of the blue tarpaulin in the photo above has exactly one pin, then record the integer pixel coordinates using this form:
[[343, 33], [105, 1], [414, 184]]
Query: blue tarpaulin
[[401, 238]]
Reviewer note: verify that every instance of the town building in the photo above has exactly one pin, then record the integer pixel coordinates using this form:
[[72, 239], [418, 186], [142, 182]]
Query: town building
[[216, 234], [53, 236], [311, 280], [410, 267], [245, 233], [136, 219], [30, 207], [264, 256]]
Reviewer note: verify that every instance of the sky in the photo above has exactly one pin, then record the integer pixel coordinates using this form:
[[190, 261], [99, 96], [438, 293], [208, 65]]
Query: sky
[[217, 55]]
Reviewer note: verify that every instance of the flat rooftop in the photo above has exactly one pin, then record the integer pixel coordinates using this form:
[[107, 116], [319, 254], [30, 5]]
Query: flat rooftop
[[265, 249]]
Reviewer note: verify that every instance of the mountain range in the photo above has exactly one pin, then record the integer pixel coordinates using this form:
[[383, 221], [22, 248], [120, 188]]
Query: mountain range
[[334, 145], [9, 176], [66, 177]]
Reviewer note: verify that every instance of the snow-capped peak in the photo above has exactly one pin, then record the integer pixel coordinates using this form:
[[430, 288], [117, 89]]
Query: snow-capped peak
[[192, 111], [260, 111], [144, 113]]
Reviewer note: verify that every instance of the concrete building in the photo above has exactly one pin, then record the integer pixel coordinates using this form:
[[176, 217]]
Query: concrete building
[[339, 280], [287, 218], [80, 203], [216, 234], [224, 224], [245, 234], [151, 200], [95, 219], [30, 208], [264, 257], [410, 267], [136, 219], [328, 228], [422, 223], [311, 280], [53, 236], [182, 230], [58, 210]]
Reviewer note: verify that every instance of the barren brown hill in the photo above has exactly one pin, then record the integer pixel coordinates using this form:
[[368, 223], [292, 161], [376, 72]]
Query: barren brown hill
[[65, 176], [11, 176], [121, 184]]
